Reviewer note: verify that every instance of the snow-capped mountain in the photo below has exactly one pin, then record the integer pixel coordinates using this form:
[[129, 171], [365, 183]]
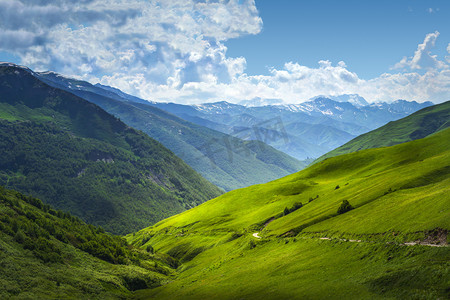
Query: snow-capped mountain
[[310, 128], [354, 99], [305, 130], [255, 102]]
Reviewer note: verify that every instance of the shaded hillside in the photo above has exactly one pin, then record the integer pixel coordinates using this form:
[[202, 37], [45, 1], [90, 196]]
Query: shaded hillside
[[77, 157], [49, 254], [226, 161], [415, 126], [342, 228]]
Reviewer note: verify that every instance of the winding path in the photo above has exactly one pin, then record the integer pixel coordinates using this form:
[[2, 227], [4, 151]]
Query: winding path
[[256, 235]]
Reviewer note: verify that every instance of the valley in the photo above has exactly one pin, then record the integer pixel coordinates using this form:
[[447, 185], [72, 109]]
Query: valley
[[224, 150], [78, 158], [369, 219], [314, 252]]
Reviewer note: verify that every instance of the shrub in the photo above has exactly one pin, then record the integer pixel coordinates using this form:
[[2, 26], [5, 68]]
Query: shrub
[[296, 206], [251, 244], [345, 207], [286, 211], [19, 237]]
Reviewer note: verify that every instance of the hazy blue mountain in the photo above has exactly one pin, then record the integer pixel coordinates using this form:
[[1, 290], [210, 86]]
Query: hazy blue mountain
[[289, 128], [226, 161], [337, 119], [420, 124], [354, 99]]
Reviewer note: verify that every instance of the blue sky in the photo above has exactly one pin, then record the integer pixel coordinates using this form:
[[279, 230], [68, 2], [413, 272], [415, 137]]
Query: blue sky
[[193, 51], [370, 36]]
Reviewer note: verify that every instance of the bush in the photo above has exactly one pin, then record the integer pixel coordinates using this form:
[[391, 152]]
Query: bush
[[296, 206], [251, 244], [286, 211], [19, 237], [345, 207]]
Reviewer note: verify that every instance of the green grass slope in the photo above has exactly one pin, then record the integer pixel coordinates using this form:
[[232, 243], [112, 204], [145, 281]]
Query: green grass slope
[[224, 160], [285, 239], [415, 126], [75, 156], [49, 254]]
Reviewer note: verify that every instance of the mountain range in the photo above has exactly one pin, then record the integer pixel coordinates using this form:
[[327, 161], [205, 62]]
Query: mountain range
[[366, 225], [224, 160], [306, 130], [75, 156], [418, 125], [368, 220], [303, 131]]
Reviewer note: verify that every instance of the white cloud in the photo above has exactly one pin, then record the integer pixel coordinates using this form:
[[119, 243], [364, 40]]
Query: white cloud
[[433, 10], [176, 40], [173, 50], [295, 83], [423, 59], [448, 50]]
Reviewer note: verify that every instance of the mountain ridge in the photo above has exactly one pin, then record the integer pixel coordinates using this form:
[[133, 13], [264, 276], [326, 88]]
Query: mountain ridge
[[415, 126], [225, 160], [74, 155], [293, 233], [229, 118]]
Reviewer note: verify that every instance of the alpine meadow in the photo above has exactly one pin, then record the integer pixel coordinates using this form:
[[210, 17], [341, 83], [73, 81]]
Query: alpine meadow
[[224, 149]]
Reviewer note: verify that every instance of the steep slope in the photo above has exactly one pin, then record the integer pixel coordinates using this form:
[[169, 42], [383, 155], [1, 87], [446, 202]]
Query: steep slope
[[415, 126], [224, 160], [338, 229], [75, 156], [49, 254], [348, 119]]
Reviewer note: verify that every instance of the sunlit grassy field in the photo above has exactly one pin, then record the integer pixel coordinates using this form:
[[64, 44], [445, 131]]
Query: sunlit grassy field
[[398, 195]]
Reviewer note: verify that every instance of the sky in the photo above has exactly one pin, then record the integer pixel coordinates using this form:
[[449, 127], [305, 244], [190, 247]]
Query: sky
[[195, 51]]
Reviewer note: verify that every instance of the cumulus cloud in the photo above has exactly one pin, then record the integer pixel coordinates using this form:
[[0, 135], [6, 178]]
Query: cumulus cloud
[[168, 42], [173, 50], [448, 50], [423, 59]]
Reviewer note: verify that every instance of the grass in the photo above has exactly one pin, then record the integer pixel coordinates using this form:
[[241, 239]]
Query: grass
[[398, 193], [43, 256], [75, 156], [226, 161], [309, 269], [415, 126]]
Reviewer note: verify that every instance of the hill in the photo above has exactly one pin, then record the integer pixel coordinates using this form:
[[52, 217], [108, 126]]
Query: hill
[[224, 160], [49, 254], [305, 130], [415, 126], [355, 226], [75, 156]]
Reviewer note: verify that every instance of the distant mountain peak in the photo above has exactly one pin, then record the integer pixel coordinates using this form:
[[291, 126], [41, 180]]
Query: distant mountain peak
[[216, 107], [258, 102], [354, 99]]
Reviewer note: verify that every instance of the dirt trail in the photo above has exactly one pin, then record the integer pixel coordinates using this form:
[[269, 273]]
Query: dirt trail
[[403, 244], [256, 235]]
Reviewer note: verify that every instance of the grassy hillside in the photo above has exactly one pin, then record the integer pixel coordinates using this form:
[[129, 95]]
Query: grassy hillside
[[224, 160], [416, 126], [338, 229], [74, 155], [49, 254]]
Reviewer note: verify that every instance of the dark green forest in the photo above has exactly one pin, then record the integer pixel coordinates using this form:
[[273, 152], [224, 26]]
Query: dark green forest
[[78, 158], [51, 253]]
